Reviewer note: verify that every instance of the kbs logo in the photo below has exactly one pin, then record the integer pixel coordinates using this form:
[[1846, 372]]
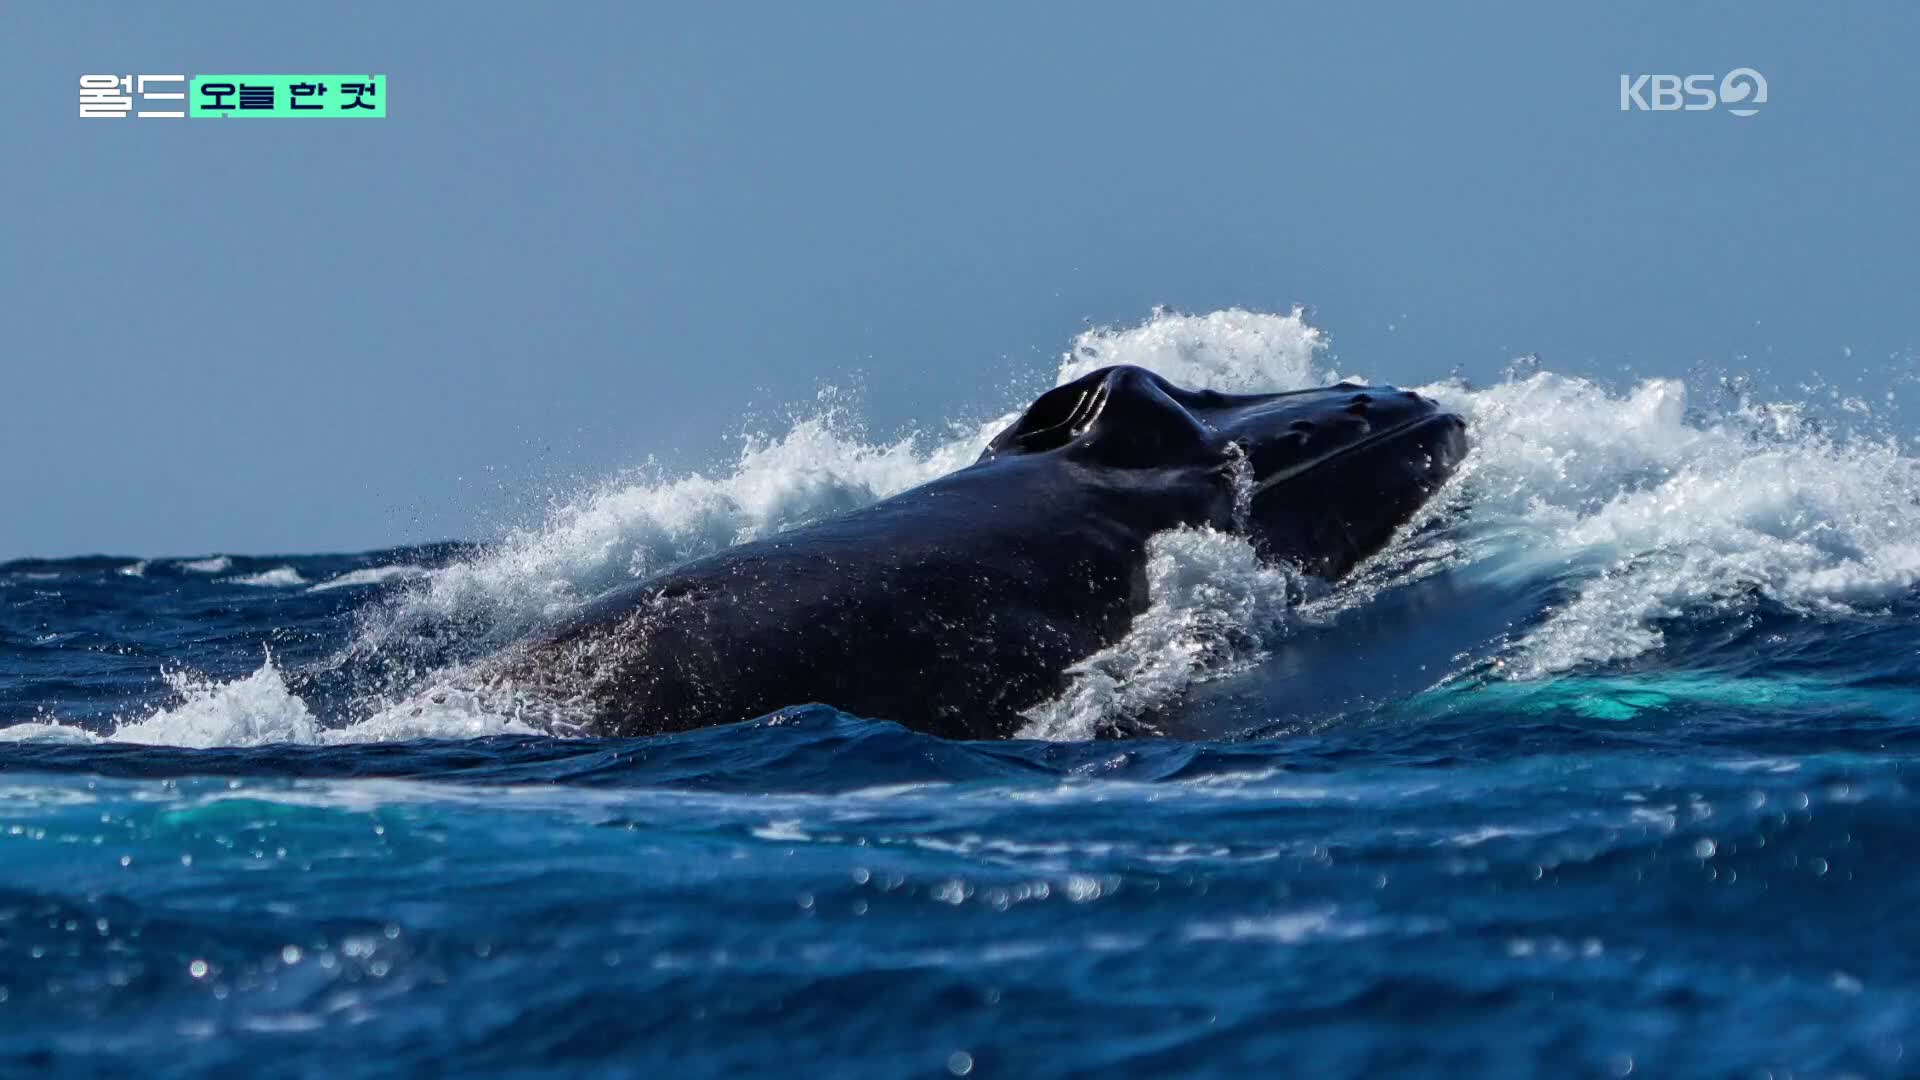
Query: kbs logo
[[1742, 91]]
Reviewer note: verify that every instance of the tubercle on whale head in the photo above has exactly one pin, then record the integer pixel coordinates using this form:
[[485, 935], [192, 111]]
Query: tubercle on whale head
[[1328, 473]]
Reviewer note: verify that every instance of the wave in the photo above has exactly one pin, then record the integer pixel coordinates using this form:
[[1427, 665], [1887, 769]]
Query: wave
[[1626, 506], [373, 575], [1663, 513], [216, 564], [263, 709], [280, 577]]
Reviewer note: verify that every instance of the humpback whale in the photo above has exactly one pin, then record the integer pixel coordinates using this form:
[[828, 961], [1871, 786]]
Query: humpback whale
[[952, 607]]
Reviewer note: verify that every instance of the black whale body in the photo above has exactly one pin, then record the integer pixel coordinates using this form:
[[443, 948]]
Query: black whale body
[[953, 606]]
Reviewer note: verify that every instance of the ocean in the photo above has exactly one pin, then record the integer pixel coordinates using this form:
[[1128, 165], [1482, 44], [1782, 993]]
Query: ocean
[[1604, 767]]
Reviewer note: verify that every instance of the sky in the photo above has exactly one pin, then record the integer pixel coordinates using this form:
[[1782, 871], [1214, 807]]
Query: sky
[[590, 234]]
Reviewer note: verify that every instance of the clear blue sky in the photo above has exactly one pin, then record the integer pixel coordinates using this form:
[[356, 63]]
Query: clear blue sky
[[588, 233]]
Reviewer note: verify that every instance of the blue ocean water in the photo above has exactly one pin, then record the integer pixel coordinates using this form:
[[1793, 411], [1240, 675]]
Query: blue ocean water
[[1606, 767]]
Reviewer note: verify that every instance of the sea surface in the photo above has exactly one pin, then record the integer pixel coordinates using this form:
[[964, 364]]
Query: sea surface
[[1606, 767]]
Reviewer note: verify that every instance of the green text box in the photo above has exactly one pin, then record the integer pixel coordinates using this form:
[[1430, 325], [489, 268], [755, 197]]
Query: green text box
[[325, 96]]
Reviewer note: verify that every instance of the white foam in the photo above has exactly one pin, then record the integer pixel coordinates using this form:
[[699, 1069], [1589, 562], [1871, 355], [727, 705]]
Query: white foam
[[643, 523], [260, 709], [217, 564], [1666, 515], [280, 577], [1234, 350], [373, 575], [45, 731], [451, 708], [252, 711], [1213, 604]]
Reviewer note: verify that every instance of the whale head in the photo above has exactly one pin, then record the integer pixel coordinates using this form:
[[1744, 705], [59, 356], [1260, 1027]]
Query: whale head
[[1318, 478]]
